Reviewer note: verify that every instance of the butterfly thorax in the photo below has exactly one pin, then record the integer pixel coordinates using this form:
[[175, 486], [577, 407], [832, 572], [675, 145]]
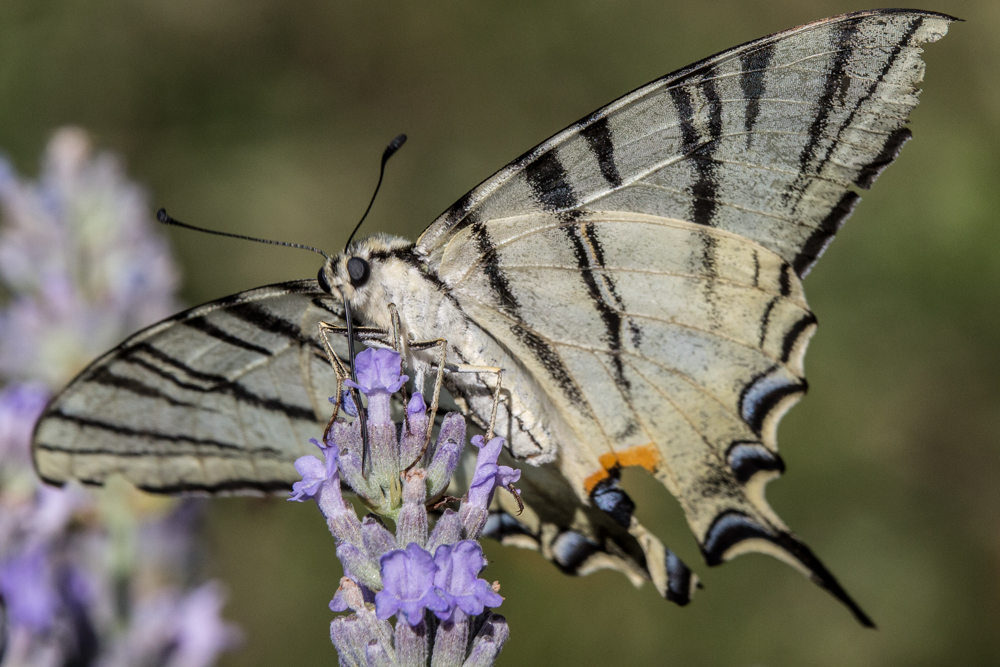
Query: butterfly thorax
[[387, 270], [381, 270]]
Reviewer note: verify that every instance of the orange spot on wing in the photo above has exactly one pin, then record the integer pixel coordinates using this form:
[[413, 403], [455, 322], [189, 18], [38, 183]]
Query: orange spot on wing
[[594, 479], [646, 456], [609, 461]]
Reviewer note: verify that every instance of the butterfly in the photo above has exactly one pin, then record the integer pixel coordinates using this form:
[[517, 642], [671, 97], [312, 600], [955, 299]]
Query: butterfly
[[638, 278]]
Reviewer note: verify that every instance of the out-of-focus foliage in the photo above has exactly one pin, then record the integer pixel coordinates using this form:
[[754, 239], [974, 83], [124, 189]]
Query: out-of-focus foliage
[[268, 117]]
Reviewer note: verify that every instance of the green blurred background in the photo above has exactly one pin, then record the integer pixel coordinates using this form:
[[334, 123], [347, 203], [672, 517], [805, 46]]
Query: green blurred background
[[268, 117]]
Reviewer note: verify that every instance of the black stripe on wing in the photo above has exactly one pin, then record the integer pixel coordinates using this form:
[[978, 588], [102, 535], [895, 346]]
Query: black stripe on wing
[[732, 527], [837, 81], [119, 429], [598, 136], [746, 458], [754, 64], [764, 392], [834, 87], [509, 306], [204, 326], [104, 376], [548, 179], [210, 383]]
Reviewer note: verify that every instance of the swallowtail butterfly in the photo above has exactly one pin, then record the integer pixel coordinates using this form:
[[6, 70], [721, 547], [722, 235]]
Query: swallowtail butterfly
[[638, 277]]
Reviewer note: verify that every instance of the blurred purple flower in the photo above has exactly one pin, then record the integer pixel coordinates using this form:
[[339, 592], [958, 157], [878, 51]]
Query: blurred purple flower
[[78, 253], [408, 577], [20, 406], [174, 630], [457, 578], [82, 267], [378, 370], [29, 592], [201, 634], [488, 475]]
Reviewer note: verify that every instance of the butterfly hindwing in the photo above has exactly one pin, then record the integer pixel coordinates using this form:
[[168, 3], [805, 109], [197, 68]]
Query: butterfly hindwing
[[223, 397]]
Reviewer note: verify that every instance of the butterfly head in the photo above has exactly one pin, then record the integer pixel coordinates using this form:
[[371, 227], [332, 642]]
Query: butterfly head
[[366, 271]]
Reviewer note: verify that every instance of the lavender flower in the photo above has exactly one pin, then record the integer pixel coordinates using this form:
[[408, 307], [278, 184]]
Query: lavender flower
[[314, 472], [379, 376], [485, 480], [408, 576], [20, 406], [458, 568], [437, 593], [489, 475], [379, 371], [82, 268], [28, 589]]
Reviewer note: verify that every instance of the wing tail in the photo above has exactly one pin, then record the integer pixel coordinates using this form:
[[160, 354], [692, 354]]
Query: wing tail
[[580, 539]]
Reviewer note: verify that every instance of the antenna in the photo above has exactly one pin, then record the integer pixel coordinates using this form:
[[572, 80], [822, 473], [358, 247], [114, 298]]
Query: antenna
[[162, 216], [389, 151]]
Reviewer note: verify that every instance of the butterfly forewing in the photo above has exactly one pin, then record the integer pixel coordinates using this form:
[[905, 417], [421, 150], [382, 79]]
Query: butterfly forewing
[[764, 140], [220, 398]]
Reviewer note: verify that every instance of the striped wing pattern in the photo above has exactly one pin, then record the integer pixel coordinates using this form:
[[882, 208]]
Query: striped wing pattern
[[221, 398], [580, 539], [764, 140], [645, 264]]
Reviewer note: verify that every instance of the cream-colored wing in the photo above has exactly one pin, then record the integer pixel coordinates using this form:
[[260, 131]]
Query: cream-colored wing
[[708, 360], [766, 140], [223, 398], [644, 264], [219, 399]]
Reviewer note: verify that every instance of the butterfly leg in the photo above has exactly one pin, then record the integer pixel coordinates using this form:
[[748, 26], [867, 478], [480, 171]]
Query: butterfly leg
[[442, 349], [366, 334], [498, 372]]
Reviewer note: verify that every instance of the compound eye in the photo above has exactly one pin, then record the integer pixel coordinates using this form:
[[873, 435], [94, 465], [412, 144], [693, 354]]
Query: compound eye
[[324, 284], [358, 270]]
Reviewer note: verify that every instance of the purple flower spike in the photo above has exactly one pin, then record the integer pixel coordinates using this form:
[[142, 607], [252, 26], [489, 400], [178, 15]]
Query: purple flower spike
[[201, 632], [488, 475], [411, 444], [314, 472], [408, 580], [378, 370], [458, 567]]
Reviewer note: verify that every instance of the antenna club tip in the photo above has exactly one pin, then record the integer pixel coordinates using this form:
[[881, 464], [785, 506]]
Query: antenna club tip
[[162, 216], [393, 146]]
